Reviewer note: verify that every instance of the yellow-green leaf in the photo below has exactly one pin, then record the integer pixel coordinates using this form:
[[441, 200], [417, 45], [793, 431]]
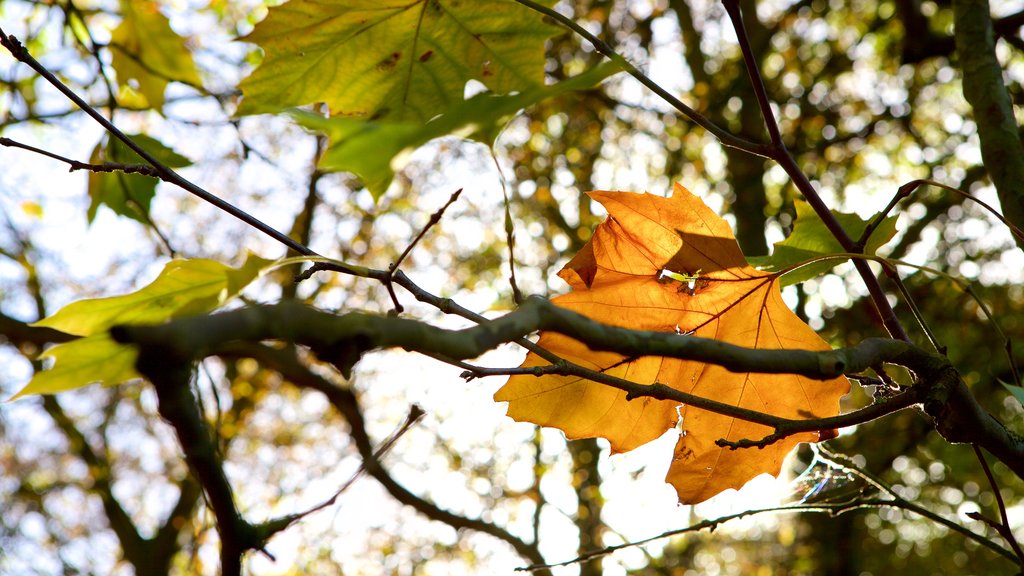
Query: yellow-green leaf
[[148, 54], [184, 287], [95, 359], [402, 60]]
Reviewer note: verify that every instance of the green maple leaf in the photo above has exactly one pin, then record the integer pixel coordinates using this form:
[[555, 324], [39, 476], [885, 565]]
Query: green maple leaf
[[184, 287], [811, 239], [127, 194], [147, 52], [403, 60], [95, 359]]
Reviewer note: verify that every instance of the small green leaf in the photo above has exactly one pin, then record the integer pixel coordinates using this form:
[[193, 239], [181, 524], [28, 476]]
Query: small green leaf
[[149, 53], [376, 150], [405, 60], [183, 288], [94, 359], [127, 194], [811, 239]]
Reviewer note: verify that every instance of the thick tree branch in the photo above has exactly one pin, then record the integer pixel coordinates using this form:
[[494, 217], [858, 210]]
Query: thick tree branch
[[1001, 147], [342, 340], [178, 406], [21, 333]]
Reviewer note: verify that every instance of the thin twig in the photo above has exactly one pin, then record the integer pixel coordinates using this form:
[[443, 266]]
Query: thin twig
[[116, 168], [434, 219], [14, 46], [723, 135], [1002, 527], [510, 232], [831, 509], [272, 527], [143, 169], [969, 290], [914, 185], [901, 502], [780, 154], [732, 8]]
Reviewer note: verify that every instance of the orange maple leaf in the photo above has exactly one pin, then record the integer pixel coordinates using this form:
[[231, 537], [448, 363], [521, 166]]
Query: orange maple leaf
[[619, 278]]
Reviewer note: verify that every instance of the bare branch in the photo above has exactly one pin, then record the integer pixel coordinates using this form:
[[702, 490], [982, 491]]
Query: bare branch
[[143, 169], [345, 402], [723, 135], [14, 46]]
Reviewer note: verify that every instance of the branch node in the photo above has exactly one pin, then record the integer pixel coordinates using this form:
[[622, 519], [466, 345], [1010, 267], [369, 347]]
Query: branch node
[[748, 443]]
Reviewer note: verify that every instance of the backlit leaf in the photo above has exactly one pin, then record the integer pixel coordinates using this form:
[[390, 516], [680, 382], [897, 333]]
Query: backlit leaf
[[148, 54], [95, 359], [376, 150], [405, 60], [618, 279], [183, 288], [811, 239]]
